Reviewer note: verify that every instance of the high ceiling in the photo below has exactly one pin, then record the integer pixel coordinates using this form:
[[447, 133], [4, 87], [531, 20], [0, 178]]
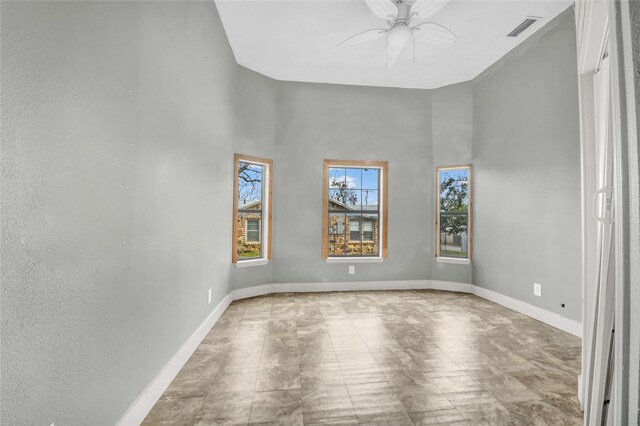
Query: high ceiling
[[297, 40]]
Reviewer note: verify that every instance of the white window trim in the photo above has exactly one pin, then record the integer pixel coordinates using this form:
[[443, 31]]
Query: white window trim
[[251, 262], [355, 259], [454, 260], [381, 189], [263, 227]]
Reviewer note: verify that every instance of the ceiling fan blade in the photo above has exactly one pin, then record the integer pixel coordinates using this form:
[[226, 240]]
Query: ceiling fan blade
[[433, 33], [364, 37], [383, 9], [424, 8], [397, 38]]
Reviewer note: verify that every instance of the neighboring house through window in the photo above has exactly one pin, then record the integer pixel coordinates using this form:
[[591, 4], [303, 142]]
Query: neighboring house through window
[[253, 231], [355, 209], [252, 210], [454, 214], [368, 230]]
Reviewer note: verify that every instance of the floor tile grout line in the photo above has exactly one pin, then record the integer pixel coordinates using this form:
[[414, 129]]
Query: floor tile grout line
[[253, 397], [376, 362], [472, 378], [234, 334], [353, 407], [385, 374]]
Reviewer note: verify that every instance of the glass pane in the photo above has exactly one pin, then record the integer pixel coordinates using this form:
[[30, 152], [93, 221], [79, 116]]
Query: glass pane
[[354, 248], [454, 238], [454, 190], [370, 199], [337, 200], [249, 235], [250, 178], [337, 177], [337, 245], [353, 222], [371, 179], [336, 223], [352, 198], [370, 246], [354, 178], [344, 198], [370, 232]]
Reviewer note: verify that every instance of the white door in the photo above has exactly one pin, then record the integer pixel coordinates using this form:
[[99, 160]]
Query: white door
[[599, 330], [605, 80]]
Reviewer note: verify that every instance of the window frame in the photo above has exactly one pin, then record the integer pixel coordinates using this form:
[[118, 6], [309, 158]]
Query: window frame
[[452, 259], [383, 167], [265, 222]]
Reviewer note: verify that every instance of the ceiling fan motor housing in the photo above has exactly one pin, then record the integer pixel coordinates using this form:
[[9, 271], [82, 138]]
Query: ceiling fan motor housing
[[403, 12], [399, 15]]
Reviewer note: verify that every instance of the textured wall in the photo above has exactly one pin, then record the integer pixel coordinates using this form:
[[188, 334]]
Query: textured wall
[[256, 117], [316, 122], [452, 123], [526, 151], [119, 122]]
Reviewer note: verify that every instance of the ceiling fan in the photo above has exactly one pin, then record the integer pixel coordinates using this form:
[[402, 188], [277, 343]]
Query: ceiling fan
[[400, 16]]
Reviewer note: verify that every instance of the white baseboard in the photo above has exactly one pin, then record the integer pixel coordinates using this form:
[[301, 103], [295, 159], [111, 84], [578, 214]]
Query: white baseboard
[[152, 393], [141, 407], [548, 317], [451, 286]]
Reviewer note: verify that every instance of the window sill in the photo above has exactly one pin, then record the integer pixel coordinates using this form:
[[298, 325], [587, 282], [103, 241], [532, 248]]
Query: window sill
[[355, 260], [453, 260], [252, 262]]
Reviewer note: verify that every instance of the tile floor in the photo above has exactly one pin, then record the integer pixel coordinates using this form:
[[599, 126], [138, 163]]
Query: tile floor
[[380, 358]]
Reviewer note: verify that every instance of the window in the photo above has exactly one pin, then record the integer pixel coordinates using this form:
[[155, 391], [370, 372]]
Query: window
[[355, 209], [454, 219], [252, 209], [367, 230], [253, 231], [354, 230]]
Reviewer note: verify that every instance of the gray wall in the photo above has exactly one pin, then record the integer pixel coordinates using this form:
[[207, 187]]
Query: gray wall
[[316, 122], [119, 122], [526, 154], [452, 123], [256, 117]]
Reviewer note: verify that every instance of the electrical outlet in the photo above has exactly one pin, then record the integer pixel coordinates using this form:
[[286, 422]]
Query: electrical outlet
[[352, 269], [209, 297], [537, 289]]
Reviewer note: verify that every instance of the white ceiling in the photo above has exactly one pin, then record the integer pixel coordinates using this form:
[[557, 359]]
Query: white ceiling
[[297, 40]]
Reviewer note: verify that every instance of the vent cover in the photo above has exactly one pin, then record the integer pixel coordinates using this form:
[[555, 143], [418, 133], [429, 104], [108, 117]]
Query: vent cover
[[529, 20]]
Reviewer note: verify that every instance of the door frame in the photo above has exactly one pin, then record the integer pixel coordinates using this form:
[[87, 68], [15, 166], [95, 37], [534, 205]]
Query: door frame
[[600, 24], [624, 136]]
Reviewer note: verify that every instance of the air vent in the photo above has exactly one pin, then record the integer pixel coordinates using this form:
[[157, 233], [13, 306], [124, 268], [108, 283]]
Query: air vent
[[529, 21]]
